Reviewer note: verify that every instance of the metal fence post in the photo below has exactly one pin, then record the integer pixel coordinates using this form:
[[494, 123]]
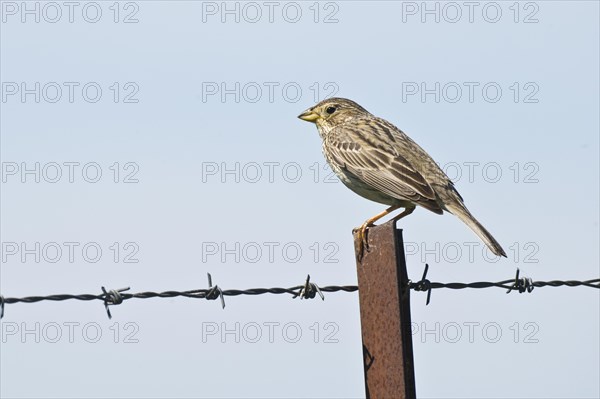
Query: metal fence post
[[385, 315]]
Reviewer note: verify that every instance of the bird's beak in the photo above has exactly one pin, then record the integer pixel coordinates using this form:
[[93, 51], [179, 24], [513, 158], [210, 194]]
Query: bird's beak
[[309, 116]]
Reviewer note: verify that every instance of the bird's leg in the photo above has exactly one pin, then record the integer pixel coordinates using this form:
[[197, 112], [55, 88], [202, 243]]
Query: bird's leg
[[407, 211], [361, 243]]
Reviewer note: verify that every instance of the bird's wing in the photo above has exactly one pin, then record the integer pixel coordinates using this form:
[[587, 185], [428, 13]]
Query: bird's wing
[[366, 149]]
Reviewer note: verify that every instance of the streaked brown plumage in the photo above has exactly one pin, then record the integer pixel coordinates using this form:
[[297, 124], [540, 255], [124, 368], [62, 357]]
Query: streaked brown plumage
[[380, 162]]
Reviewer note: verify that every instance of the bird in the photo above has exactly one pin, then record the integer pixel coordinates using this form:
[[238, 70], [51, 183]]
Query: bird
[[379, 162]]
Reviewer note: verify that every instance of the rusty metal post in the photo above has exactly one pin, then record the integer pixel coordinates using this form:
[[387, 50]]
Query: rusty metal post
[[385, 315]]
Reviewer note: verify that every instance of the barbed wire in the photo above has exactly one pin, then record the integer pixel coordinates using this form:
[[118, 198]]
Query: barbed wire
[[306, 291], [115, 297], [523, 284]]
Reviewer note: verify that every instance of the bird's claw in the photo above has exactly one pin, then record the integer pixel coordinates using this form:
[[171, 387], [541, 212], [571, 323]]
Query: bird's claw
[[361, 242]]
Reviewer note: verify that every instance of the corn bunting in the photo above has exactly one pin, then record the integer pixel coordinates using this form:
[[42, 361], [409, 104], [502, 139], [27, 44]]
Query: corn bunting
[[380, 162]]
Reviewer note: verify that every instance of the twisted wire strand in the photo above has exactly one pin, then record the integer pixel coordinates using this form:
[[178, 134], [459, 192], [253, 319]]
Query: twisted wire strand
[[306, 291]]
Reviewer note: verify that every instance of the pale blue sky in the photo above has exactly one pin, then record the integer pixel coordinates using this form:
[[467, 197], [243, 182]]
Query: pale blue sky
[[173, 134]]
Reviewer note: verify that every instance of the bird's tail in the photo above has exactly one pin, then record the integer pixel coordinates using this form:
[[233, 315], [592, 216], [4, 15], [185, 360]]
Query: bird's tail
[[463, 214]]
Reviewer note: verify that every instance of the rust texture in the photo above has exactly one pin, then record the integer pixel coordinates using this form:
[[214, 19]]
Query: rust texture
[[385, 315]]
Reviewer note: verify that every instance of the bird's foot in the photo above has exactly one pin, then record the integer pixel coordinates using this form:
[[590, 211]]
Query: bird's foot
[[361, 242]]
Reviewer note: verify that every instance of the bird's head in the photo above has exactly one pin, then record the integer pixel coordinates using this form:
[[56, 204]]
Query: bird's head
[[332, 112]]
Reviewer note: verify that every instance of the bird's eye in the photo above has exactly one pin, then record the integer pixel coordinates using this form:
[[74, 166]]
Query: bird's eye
[[330, 110]]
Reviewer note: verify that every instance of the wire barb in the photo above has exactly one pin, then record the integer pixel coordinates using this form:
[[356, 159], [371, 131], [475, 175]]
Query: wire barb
[[521, 284], [112, 297], [309, 290], [423, 285], [214, 292]]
